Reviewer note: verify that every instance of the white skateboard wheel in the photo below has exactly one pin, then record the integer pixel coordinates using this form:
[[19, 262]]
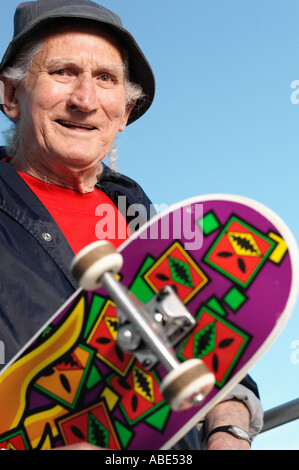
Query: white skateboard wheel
[[93, 261], [187, 385]]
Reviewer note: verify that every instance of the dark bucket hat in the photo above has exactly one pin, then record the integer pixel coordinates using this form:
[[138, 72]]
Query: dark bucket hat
[[32, 16]]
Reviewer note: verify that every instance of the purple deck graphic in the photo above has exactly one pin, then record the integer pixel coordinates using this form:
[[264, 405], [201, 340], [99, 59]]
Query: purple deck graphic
[[233, 269]]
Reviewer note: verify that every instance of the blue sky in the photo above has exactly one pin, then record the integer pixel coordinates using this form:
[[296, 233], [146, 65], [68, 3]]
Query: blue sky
[[224, 120]]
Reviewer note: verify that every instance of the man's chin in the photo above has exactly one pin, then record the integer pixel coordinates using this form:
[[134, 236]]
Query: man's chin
[[78, 158]]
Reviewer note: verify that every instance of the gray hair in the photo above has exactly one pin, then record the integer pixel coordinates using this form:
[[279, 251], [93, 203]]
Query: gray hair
[[18, 72]]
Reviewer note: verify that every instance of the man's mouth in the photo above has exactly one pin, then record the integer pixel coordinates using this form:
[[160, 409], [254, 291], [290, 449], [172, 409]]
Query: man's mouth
[[75, 125]]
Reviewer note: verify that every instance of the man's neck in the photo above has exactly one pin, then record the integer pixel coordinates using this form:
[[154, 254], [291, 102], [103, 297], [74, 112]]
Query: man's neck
[[77, 179]]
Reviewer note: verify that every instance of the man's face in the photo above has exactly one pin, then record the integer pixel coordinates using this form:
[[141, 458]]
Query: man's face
[[73, 102]]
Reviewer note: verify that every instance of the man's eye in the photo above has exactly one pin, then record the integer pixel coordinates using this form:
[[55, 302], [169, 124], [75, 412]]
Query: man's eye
[[61, 72], [106, 78]]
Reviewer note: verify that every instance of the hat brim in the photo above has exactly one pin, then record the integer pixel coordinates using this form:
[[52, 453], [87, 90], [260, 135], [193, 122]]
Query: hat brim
[[140, 70]]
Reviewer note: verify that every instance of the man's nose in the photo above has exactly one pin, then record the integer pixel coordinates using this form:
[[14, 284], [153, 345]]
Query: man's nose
[[84, 94]]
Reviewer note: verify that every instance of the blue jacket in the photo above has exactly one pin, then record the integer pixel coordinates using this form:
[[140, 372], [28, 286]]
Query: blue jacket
[[39, 280]]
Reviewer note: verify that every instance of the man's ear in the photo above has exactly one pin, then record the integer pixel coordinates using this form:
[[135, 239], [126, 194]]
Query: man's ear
[[126, 117], [10, 102]]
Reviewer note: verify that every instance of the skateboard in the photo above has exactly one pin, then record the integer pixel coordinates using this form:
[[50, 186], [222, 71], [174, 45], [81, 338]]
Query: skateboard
[[158, 332]]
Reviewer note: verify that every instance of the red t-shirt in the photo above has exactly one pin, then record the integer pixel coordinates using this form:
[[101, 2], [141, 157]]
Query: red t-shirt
[[83, 218]]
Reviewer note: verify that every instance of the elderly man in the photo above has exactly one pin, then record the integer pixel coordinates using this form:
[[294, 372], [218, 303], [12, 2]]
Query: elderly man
[[73, 79]]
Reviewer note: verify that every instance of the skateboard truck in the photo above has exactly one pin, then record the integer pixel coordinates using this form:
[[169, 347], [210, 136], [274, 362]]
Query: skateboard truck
[[167, 314], [149, 332]]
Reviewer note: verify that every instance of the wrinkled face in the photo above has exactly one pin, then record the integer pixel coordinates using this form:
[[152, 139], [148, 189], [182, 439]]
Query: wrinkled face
[[73, 102]]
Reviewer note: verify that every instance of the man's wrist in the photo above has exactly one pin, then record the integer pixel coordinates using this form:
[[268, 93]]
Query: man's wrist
[[225, 441], [235, 431]]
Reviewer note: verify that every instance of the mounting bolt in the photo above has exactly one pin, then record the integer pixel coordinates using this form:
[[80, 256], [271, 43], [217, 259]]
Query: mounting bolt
[[146, 362]]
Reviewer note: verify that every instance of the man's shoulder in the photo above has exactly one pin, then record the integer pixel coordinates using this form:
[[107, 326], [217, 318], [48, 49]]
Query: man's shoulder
[[111, 177], [116, 184]]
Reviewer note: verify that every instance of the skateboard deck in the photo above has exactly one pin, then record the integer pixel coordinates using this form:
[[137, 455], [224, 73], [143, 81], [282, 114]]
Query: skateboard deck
[[231, 261]]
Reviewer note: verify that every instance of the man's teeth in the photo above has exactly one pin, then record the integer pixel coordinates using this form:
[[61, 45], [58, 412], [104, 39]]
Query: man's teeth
[[73, 124]]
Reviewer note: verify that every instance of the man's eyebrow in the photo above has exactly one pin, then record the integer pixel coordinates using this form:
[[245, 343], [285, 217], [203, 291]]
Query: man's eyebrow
[[58, 62]]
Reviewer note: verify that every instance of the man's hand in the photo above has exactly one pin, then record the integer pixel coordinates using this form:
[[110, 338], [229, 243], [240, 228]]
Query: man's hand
[[80, 446]]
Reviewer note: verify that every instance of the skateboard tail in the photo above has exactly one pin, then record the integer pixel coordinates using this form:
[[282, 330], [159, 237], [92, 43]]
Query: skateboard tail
[[285, 244]]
